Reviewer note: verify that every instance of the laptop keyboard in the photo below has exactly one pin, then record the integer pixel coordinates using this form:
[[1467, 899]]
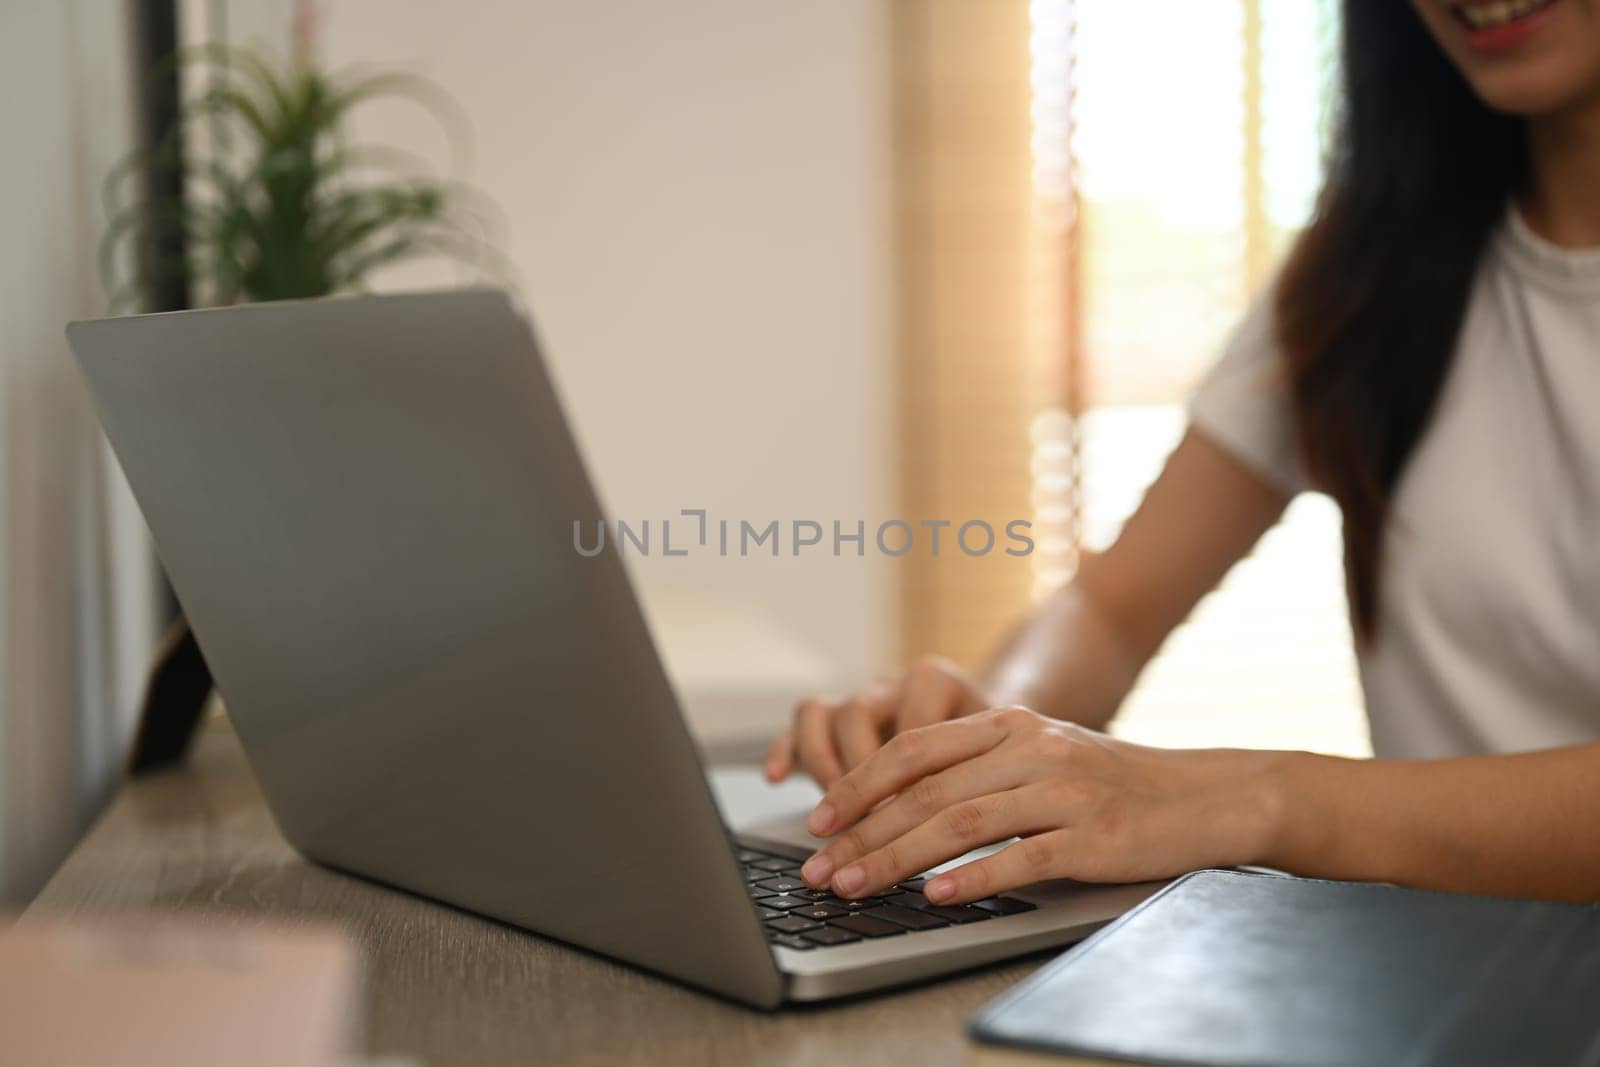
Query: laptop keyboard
[[797, 917]]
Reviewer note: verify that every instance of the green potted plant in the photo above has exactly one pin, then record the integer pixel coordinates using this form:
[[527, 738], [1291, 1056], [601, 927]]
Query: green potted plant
[[278, 203]]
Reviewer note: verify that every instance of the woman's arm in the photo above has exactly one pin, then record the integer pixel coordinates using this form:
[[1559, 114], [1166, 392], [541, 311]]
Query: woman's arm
[[1077, 655], [1096, 809], [1519, 825]]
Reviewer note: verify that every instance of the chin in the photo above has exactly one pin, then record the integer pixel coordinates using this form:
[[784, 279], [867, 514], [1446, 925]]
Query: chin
[[1521, 57], [1529, 93]]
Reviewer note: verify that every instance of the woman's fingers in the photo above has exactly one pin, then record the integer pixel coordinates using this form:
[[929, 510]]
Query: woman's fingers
[[780, 757], [858, 727], [1030, 860], [957, 829], [854, 733], [906, 758], [933, 691], [813, 742], [828, 738], [922, 800]]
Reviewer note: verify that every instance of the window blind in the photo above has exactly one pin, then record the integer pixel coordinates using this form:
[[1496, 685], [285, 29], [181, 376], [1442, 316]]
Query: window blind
[[1086, 209]]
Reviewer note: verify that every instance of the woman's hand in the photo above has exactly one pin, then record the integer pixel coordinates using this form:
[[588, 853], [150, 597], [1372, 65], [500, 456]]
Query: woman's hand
[[830, 737], [1085, 805]]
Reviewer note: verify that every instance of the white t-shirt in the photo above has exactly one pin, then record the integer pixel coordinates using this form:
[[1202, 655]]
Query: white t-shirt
[[1488, 634]]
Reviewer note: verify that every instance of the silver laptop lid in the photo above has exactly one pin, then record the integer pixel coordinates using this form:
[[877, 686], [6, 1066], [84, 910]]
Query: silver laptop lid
[[365, 506]]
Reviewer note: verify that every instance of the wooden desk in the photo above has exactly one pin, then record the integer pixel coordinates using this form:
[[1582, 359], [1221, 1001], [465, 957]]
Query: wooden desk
[[445, 987]]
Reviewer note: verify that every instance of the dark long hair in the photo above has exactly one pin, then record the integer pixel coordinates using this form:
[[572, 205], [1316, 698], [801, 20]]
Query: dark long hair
[[1371, 299]]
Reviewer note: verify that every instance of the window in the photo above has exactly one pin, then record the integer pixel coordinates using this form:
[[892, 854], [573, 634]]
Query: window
[[1172, 150], [1172, 166]]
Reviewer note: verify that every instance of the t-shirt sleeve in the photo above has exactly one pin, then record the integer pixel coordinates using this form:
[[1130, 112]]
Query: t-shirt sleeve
[[1243, 404]]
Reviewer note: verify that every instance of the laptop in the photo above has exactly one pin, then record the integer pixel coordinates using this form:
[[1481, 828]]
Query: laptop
[[366, 507]]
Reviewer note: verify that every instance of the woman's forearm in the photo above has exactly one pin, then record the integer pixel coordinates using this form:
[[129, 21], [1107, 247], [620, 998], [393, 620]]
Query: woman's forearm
[[1080, 652], [1518, 825], [1069, 660]]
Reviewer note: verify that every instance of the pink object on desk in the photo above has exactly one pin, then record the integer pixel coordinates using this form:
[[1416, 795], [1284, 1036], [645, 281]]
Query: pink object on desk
[[137, 991]]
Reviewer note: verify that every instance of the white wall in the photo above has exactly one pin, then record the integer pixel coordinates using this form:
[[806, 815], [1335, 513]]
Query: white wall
[[698, 207], [77, 582]]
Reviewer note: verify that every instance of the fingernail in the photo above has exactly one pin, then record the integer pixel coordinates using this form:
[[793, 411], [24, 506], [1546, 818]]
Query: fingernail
[[851, 879], [817, 870], [821, 820], [940, 889]]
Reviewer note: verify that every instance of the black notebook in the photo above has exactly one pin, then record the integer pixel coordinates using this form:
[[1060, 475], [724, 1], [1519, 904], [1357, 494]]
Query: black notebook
[[1228, 969]]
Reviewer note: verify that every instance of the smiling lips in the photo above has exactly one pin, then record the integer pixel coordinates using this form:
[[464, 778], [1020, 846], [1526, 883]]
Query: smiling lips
[[1495, 25], [1493, 13]]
